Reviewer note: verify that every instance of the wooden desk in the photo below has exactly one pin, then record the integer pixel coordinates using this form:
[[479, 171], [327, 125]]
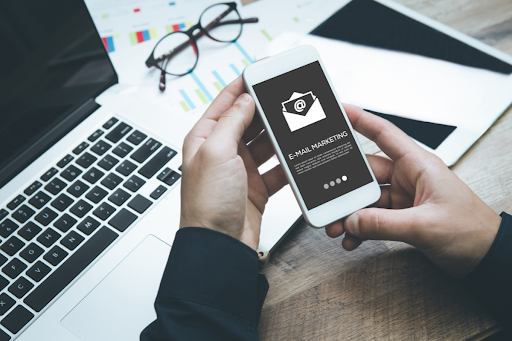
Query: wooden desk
[[388, 290]]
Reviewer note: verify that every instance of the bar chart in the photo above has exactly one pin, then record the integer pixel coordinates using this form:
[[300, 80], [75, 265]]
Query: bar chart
[[142, 36]]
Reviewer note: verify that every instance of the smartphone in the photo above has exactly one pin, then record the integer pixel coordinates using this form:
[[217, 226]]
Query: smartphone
[[311, 134]]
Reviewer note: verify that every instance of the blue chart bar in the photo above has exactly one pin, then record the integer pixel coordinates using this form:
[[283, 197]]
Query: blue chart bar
[[187, 99], [221, 82], [235, 69], [246, 55], [201, 86], [110, 43]]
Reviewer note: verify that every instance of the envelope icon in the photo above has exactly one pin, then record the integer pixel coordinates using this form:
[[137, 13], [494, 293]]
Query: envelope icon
[[302, 110]]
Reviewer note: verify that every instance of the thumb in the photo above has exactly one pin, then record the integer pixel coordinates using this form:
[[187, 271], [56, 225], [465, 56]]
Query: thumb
[[384, 224], [233, 123]]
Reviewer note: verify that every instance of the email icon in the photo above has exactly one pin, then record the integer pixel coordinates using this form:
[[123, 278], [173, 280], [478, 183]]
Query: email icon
[[302, 110]]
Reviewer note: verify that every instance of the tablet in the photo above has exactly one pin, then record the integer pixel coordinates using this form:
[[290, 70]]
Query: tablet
[[443, 88]]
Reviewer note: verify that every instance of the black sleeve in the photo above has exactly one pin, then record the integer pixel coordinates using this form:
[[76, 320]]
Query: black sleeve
[[491, 281], [210, 290]]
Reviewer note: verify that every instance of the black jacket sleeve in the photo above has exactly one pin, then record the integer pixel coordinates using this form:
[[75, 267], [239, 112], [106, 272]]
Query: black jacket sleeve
[[210, 290], [491, 281]]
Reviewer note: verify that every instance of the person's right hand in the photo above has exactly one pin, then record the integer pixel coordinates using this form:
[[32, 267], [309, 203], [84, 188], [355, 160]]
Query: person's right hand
[[424, 203]]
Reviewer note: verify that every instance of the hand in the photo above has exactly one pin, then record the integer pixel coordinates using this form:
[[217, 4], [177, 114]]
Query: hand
[[424, 203], [221, 187]]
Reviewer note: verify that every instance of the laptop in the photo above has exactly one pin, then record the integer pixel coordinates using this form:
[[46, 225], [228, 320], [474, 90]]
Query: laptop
[[89, 188]]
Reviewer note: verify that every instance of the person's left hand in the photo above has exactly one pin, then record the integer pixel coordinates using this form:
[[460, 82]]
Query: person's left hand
[[221, 187]]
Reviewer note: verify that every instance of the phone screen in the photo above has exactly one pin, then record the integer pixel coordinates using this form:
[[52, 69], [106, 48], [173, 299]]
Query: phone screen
[[312, 134]]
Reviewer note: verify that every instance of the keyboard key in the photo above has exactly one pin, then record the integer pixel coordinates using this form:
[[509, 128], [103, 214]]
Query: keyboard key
[[20, 287], [179, 168], [55, 256], [12, 245], [23, 213], [14, 268], [55, 186], [4, 336], [119, 197], [3, 214], [3, 282], [3, 259], [93, 175], [136, 137], [157, 193], [140, 204], [108, 162], [96, 194], [16, 202], [126, 168], [6, 303], [81, 208], [72, 240], [32, 188], [88, 225], [134, 183], [104, 211], [46, 216], [111, 181], [71, 173], [62, 202], [31, 253], [72, 267], [77, 188], [122, 150], [48, 237], [17, 319], [86, 160], [119, 132], [101, 147], [7, 227], [29, 231], [49, 174], [122, 220], [168, 176], [38, 271], [146, 150], [157, 162], [95, 135], [65, 222], [110, 123], [64, 162], [39, 200], [78, 150]]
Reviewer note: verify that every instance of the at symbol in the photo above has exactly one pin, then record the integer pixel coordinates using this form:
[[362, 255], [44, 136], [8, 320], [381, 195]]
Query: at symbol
[[300, 105]]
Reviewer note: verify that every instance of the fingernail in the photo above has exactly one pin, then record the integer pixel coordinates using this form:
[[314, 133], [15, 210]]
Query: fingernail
[[352, 224], [243, 98]]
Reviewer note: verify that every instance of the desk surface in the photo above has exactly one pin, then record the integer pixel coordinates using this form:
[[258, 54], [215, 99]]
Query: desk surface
[[389, 290]]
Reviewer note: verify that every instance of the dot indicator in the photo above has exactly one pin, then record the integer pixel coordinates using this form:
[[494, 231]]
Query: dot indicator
[[332, 183], [326, 186], [338, 181], [344, 178]]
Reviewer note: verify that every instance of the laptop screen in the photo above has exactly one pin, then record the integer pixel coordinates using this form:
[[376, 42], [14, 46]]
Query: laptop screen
[[51, 62]]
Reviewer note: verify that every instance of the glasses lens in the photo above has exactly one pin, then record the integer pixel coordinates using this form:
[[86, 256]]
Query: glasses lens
[[176, 54], [221, 22]]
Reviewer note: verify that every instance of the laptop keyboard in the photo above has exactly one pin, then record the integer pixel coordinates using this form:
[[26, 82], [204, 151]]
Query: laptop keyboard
[[63, 221]]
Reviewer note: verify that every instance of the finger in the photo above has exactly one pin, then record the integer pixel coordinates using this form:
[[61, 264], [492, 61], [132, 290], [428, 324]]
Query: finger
[[274, 180], [335, 229], [230, 127], [255, 128], [385, 198], [390, 139], [382, 167], [261, 149], [384, 224], [350, 243], [203, 128]]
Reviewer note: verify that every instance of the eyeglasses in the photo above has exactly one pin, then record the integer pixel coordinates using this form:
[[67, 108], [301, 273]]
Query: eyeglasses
[[177, 54]]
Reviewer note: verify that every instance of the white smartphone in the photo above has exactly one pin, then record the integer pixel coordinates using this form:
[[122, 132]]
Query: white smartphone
[[312, 136]]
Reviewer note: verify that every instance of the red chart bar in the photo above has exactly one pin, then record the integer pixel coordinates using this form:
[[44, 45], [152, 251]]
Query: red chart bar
[[175, 28], [136, 10], [105, 43], [140, 37]]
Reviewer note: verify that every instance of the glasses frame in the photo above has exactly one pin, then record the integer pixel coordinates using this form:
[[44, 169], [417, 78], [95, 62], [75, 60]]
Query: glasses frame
[[192, 40]]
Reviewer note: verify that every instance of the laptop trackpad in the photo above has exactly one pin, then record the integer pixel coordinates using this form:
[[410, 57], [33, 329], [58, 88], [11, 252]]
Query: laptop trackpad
[[121, 306]]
